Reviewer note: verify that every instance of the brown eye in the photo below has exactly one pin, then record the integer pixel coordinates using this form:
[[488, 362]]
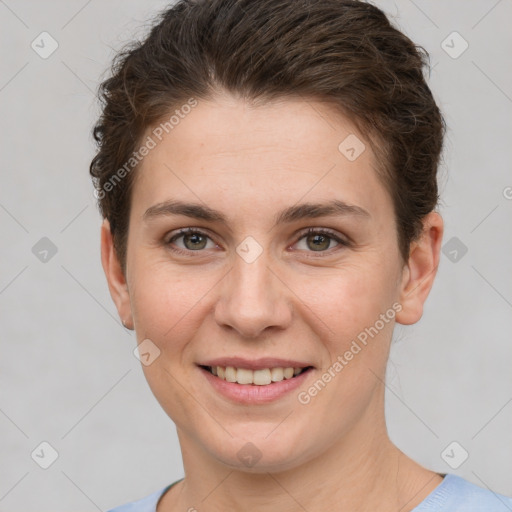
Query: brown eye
[[319, 240], [193, 240]]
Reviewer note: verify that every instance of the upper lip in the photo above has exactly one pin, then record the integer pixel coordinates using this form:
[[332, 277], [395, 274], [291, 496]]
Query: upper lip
[[254, 364]]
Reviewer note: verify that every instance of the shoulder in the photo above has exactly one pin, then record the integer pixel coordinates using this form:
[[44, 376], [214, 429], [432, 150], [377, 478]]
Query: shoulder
[[456, 494], [146, 504]]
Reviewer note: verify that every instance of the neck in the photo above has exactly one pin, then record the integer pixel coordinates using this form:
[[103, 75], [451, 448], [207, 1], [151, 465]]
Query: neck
[[362, 471]]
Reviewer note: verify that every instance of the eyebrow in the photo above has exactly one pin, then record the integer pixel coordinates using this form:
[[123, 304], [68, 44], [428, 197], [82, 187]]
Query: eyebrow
[[288, 215]]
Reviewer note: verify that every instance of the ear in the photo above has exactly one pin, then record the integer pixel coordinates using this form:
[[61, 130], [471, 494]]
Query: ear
[[115, 277], [420, 270]]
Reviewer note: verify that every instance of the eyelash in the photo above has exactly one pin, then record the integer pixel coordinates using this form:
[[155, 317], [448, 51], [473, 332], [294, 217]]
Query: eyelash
[[304, 234]]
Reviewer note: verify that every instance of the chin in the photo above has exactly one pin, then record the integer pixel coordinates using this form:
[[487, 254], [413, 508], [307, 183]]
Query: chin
[[259, 453]]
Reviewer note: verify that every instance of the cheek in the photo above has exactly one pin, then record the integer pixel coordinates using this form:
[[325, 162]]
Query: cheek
[[168, 303], [356, 337], [165, 310], [164, 299], [357, 340], [349, 299]]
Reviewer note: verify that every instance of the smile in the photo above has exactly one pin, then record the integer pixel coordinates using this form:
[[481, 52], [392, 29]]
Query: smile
[[261, 377]]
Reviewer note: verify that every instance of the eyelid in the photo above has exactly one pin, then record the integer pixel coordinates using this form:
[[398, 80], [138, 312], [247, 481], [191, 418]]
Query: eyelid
[[323, 231], [188, 230]]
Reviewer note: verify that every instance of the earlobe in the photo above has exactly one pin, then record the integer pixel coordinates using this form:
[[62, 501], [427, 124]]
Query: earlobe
[[421, 269], [115, 277]]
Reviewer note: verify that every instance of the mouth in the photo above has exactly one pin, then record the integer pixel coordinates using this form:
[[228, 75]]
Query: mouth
[[259, 377]]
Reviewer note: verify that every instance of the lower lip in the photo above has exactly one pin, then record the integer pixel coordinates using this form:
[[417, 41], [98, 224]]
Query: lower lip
[[251, 393]]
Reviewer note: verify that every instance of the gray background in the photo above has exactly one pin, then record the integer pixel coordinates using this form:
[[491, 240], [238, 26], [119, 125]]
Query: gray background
[[67, 372]]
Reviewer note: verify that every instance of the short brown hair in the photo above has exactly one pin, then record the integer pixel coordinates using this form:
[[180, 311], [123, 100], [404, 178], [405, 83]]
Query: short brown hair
[[345, 52]]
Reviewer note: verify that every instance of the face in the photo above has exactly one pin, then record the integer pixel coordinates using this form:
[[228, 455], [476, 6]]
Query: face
[[229, 264]]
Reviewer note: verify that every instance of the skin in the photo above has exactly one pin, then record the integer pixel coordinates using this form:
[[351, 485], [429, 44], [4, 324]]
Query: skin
[[292, 302]]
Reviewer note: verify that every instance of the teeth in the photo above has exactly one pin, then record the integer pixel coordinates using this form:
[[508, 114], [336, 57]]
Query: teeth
[[243, 376], [277, 374], [260, 377], [288, 373], [257, 377], [230, 374]]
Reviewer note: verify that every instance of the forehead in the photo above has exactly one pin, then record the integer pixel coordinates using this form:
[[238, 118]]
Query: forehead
[[229, 125], [282, 151]]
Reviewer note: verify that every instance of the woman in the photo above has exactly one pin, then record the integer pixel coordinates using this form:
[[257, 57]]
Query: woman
[[267, 176]]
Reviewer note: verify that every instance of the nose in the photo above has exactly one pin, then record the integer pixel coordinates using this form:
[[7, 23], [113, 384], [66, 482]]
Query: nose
[[253, 298]]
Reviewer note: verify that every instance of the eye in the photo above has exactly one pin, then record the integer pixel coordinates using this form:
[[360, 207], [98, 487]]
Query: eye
[[319, 240], [193, 240], [313, 240]]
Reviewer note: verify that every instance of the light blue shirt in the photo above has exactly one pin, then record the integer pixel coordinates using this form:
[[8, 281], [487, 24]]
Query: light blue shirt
[[453, 494]]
